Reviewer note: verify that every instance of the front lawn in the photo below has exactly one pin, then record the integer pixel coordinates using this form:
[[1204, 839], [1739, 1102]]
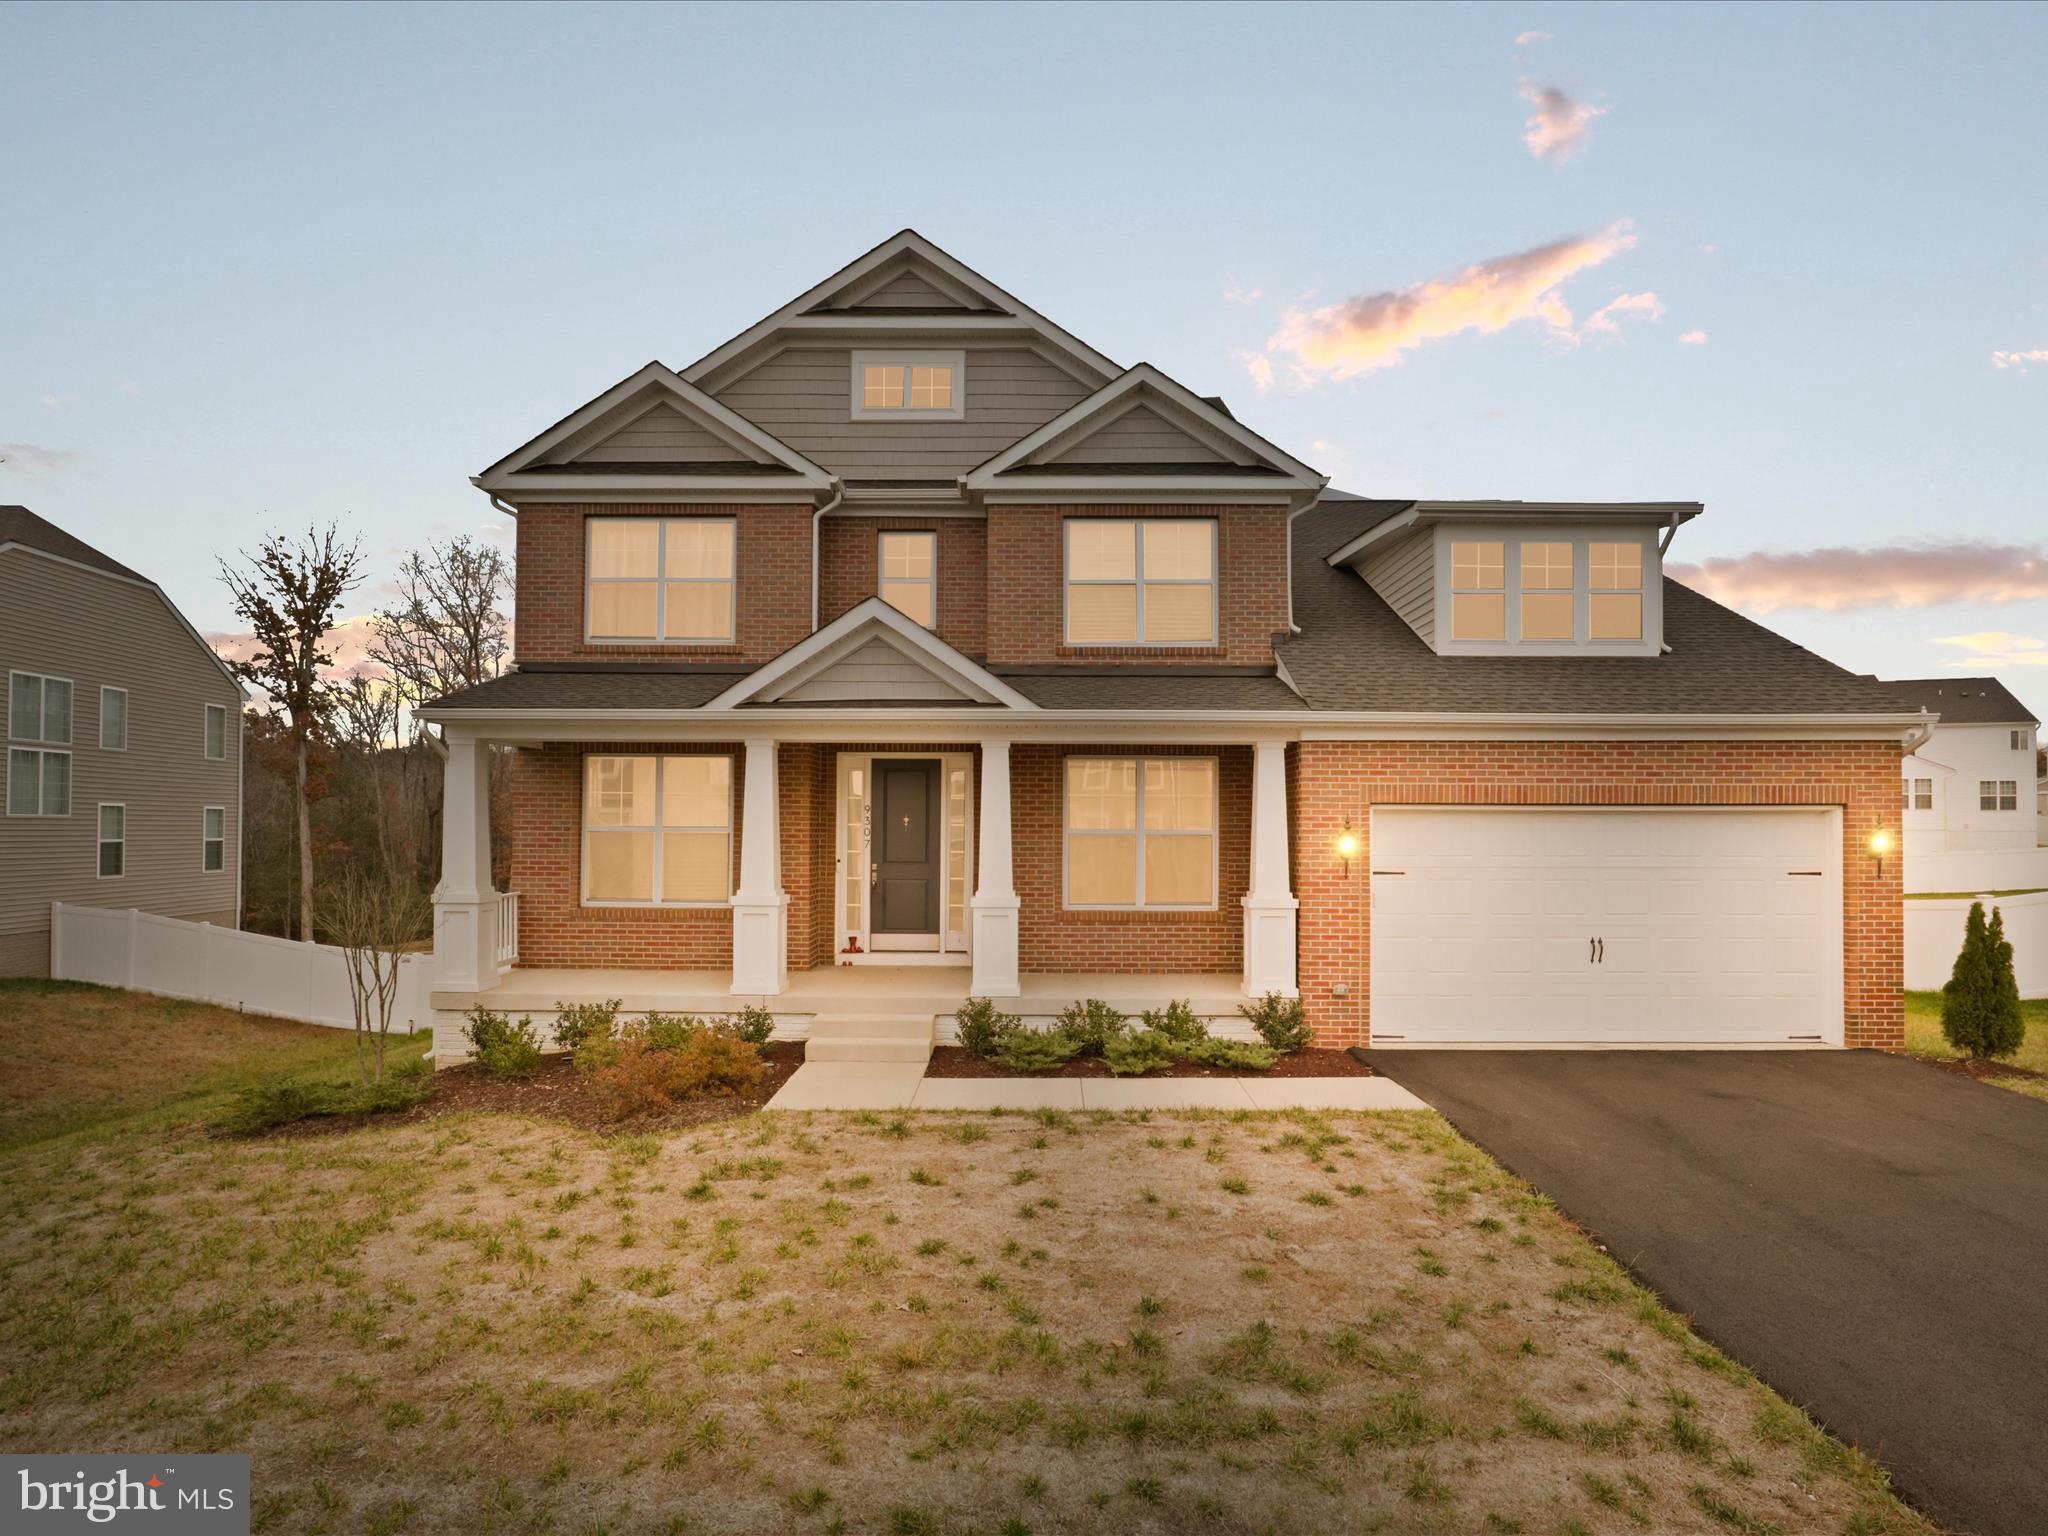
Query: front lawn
[[902, 1325], [1923, 1038]]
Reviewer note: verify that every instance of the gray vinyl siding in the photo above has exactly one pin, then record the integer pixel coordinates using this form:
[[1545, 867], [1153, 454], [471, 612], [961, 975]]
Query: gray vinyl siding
[[663, 434], [804, 397], [1141, 436], [907, 291], [1404, 574], [95, 629]]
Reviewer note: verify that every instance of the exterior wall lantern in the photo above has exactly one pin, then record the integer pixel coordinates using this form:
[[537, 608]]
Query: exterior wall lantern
[[1880, 845], [1347, 847]]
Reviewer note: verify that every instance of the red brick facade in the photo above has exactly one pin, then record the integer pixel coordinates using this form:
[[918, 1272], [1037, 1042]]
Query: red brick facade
[[848, 567], [772, 600], [1335, 782]]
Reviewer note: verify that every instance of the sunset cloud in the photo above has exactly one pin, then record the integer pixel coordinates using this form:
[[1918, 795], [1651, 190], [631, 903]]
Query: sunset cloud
[[1557, 129], [1838, 579], [1373, 330], [2019, 360], [1238, 295], [1998, 648], [349, 641], [1607, 318], [1524, 39], [1693, 339], [33, 459]]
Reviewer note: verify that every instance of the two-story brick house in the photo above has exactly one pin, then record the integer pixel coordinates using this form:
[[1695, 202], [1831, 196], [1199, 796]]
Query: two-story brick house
[[1052, 676]]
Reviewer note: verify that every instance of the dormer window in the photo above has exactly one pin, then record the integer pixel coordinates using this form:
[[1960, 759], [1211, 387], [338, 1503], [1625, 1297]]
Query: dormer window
[[1614, 608], [1552, 596], [898, 386]]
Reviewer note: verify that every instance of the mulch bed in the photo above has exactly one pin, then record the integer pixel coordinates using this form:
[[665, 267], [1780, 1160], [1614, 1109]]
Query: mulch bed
[[1982, 1070], [958, 1061], [558, 1092]]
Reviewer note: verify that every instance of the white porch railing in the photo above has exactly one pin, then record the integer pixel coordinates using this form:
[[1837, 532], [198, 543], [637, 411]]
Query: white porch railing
[[508, 928]]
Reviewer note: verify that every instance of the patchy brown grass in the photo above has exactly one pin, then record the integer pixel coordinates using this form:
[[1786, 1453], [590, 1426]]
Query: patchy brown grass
[[74, 1055], [891, 1324]]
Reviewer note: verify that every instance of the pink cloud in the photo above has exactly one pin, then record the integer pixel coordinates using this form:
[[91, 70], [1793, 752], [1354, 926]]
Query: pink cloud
[[1693, 339], [2019, 360], [1607, 318], [1557, 129], [1524, 39], [1373, 330], [349, 641], [1239, 295], [1840, 578]]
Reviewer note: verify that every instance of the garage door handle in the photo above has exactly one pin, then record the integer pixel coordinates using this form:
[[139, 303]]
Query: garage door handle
[[1602, 945], [1592, 950]]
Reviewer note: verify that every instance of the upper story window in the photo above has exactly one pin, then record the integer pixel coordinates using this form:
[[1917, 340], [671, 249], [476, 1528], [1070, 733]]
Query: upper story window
[[114, 719], [216, 741], [1919, 794], [1149, 581], [1998, 795], [909, 578], [38, 708], [908, 385], [666, 581], [2023, 741], [1556, 594]]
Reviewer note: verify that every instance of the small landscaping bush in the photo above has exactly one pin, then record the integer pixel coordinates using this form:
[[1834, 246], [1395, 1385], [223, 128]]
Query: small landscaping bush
[[578, 1025], [502, 1048], [644, 1078], [670, 1032], [1138, 1052], [1036, 1050], [753, 1024], [1091, 1024], [1231, 1055], [1980, 1005], [273, 1104], [1282, 1022], [1176, 1021], [983, 1026]]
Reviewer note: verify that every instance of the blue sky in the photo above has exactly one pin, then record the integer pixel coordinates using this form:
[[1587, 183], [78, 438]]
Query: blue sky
[[271, 265]]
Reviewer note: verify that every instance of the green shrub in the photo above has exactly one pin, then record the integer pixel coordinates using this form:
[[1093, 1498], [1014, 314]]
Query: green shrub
[[753, 1024], [1232, 1055], [1282, 1022], [668, 1032], [1176, 1021], [1980, 1005], [273, 1104], [502, 1048], [1139, 1051], [984, 1027], [1091, 1024], [644, 1079], [1036, 1050], [578, 1025]]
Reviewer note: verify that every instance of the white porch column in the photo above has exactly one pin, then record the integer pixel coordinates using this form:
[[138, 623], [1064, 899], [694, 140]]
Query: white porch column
[[1269, 906], [465, 905], [995, 903], [760, 908]]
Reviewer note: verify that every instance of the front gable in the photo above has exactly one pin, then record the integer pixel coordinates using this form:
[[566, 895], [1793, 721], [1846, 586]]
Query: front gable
[[872, 654]]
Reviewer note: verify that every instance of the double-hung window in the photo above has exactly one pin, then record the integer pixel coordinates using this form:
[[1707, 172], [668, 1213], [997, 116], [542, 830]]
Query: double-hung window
[[1479, 603], [213, 838], [1919, 794], [2022, 741], [910, 575], [1614, 605], [657, 831], [1148, 581], [113, 841], [1548, 592], [38, 778], [666, 581], [113, 719], [216, 731], [1998, 795], [1141, 832]]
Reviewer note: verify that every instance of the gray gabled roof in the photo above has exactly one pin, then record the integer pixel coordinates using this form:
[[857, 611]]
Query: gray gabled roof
[[1964, 700]]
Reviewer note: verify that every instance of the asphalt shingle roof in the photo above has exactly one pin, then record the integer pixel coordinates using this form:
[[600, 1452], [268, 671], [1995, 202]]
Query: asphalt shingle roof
[[1964, 700], [18, 525]]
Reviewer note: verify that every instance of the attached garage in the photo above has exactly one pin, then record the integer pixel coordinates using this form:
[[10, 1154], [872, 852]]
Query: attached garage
[[1619, 925]]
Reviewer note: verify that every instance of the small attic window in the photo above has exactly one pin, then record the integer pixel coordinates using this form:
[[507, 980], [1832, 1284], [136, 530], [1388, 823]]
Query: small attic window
[[904, 386]]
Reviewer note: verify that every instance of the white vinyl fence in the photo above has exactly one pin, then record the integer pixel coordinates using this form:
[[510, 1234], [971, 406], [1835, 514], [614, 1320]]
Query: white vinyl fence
[[122, 947], [1934, 932]]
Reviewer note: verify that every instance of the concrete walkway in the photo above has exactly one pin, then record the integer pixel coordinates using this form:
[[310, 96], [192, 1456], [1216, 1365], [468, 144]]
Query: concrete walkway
[[903, 1085]]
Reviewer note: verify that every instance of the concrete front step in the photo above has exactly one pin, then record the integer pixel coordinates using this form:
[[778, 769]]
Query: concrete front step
[[872, 1037]]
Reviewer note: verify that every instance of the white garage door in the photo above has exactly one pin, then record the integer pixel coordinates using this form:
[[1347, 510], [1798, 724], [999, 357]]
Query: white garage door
[[1619, 925]]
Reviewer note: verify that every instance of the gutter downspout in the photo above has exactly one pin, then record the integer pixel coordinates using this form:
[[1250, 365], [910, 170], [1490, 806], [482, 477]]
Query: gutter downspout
[[1917, 738], [1670, 533], [818, 517], [1292, 627]]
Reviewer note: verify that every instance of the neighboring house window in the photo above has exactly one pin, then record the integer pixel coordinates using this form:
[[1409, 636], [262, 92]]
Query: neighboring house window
[[38, 708], [1479, 603], [213, 838], [1998, 795], [898, 385], [2022, 741], [1141, 832], [114, 719], [666, 580], [113, 840], [910, 575], [657, 831], [1919, 794], [1614, 605], [1146, 582], [38, 783], [217, 731]]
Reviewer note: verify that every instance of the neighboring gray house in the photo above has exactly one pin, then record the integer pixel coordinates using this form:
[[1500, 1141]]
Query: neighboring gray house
[[124, 763]]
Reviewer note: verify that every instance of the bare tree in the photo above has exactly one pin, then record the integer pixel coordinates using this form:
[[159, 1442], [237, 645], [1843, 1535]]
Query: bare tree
[[448, 629], [366, 712], [290, 598], [376, 921]]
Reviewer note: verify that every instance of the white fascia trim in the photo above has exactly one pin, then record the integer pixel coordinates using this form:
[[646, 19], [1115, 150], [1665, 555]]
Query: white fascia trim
[[529, 486], [847, 633], [1144, 376], [1379, 533], [694, 402], [908, 240], [149, 586], [1209, 490]]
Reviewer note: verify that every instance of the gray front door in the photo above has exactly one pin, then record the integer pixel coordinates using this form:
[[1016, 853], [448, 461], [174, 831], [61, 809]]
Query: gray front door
[[906, 869]]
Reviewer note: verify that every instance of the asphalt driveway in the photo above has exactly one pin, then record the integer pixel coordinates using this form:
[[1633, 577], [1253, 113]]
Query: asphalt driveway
[[1868, 1234]]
